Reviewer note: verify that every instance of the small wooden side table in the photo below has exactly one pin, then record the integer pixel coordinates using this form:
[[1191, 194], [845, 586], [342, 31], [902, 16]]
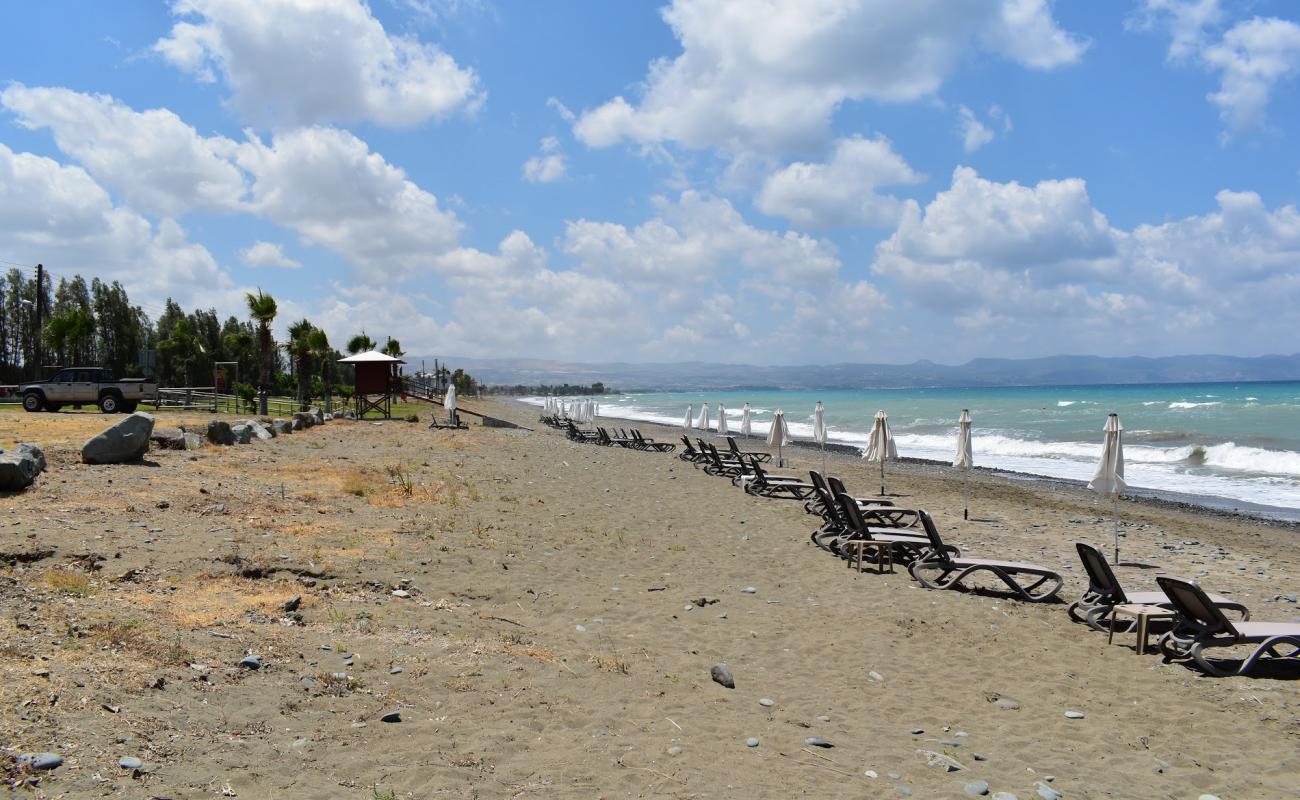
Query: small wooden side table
[[884, 554], [1144, 615]]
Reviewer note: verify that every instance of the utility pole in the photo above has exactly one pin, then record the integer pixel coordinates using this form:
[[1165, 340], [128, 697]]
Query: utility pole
[[40, 311]]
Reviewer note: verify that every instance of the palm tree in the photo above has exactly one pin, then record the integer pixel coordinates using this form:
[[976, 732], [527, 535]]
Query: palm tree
[[392, 348], [360, 344], [300, 352], [319, 345], [262, 308]]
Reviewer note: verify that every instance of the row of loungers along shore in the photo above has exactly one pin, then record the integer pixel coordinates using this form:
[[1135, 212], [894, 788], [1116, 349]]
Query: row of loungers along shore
[[876, 530]]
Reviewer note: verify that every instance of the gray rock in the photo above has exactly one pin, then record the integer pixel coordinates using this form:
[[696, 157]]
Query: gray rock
[[168, 438], [124, 441], [751, 741], [875, 676], [918, 731], [1007, 703], [675, 750], [817, 741], [976, 788], [721, 674], [38, 455], [980, 757], [894, 776], [391, 716], [1074, 715], [251, 662], [395, 671], [1046, 792], [130, 762], [243, 433], [296, 423], [304, 418], [17, 471], [766, 702], [192, 441], [293, 603], [749, 590], [945, 762], [219, 432], [905, 791], [1207, 797], [40, 760], [282, 426], [259, 430]]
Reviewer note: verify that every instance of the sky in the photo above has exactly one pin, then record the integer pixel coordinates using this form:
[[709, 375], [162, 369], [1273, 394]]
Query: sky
[[750, 181]]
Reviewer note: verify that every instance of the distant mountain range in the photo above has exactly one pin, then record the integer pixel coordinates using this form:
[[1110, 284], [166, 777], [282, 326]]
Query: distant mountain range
[[1049, 371]]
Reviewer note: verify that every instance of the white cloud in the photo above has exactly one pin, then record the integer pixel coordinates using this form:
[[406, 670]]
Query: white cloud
[[328, 186], [60, 216], [1251, 59], [549, 165], [695, 241], [159, 164], [314, 61], [841, 191], [1039, 270], [770, 78], [267, 254]]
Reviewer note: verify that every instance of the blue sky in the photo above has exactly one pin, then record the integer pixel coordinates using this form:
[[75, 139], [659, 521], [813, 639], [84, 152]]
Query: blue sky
[[769, 181]]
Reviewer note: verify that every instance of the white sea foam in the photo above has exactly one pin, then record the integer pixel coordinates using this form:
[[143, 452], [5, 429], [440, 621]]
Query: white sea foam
[[1065, 403], [1153, 402], [1184, 404]]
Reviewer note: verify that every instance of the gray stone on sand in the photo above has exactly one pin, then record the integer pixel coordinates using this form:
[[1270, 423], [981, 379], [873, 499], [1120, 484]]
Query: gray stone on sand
[[675, 750], [40, 760], [192, 441], [243, 433], [168, 438], [260, 431], [219, 432], [721, 674], [817, 741], [945, 762], [17, 471], [1007, 703], [751, 741], [251, 662], [766, 702], [1074, 715], [391, 716], [875, 676], [905, 791], [123, 441], [38, 455], [130, 762], [976, 788], [282, 426], [1046, 792]]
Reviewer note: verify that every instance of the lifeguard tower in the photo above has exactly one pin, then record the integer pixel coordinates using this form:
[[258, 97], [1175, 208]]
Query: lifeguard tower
[[378, 379]]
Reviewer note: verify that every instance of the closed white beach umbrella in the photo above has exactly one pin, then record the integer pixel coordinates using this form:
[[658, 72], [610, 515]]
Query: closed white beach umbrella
[[963, 460], [703, 421], [449, 403], [722, 420], [745, 414], [880, 446], [1110, 471], [778, 434], [819, 430], [595, 409], [687, 423]]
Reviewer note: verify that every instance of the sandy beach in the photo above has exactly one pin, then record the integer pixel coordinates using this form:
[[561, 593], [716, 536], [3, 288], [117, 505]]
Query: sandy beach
[[543, 616]]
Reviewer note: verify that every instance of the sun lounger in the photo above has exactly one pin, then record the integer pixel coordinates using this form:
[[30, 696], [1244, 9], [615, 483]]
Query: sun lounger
[[762, 484], [737, 452], [578, 435], [604, 438], [906, 546], [1200, 624], [690, 454], [650, 444], [950, 571], [716, 464], [1104, 593]]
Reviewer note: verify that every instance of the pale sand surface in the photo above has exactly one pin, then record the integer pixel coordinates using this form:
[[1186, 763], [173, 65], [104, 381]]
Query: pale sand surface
[[510, 540]]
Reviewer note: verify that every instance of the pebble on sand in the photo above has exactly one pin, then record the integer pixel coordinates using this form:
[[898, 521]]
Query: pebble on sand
[[675, 750], [817, 741], [251, 662], [875, 676], [391, 716], [766, 702], [976, 788], [130, 762], [1074, 715], [721, 674], [40, 760], [751, 741]]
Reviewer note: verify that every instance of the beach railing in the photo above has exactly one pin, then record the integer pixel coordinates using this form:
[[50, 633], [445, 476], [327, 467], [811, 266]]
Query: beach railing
[[206, 398]]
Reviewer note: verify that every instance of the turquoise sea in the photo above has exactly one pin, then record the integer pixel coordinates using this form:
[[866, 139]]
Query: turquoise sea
[[1224, 444]]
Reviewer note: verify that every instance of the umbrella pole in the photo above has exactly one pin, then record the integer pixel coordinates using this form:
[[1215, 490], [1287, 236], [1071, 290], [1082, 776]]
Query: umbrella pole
[[965, 497], [823, 458], [1114, 514], [882, 477]]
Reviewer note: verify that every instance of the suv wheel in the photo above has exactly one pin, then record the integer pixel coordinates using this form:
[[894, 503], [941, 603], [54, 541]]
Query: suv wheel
[[32, 401], [109, 403]]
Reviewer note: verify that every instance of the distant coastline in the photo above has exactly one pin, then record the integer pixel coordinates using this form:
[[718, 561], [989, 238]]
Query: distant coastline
[[1055, 371]]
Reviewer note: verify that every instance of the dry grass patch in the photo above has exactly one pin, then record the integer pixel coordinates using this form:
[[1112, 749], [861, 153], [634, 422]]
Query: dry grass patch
[[218, 599], [68, 582], [141, 640], [609, 664]]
